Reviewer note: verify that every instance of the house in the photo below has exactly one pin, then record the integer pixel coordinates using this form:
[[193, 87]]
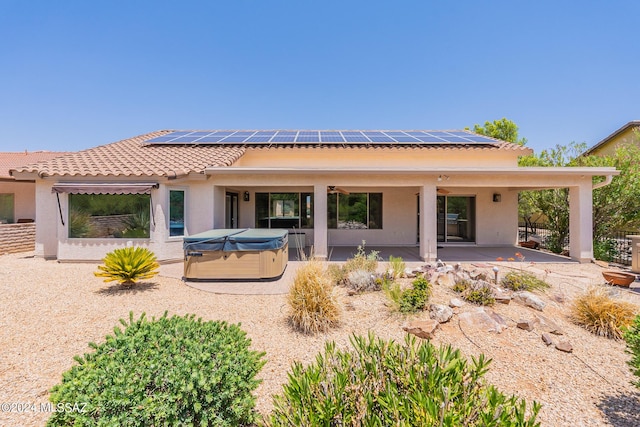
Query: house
[[627, 134], [18, 198], [332, 188]]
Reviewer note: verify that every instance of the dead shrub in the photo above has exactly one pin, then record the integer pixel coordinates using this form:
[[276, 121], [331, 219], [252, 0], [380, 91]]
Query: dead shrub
[[312, 302], [599, 313]]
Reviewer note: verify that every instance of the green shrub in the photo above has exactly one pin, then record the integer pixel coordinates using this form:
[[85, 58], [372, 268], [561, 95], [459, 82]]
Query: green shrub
[[392, 290], [383, 383], [601, 314], [312, 303], [478, 292], [461, 285], [523, 281], [415, 298], [397, 265], [128, 265], [605, 250], [361, 261], [169, 371], [481, 295], [632, 337]]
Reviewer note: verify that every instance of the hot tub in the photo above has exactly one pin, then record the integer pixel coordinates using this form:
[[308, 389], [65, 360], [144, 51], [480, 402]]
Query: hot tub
[[236, 254]]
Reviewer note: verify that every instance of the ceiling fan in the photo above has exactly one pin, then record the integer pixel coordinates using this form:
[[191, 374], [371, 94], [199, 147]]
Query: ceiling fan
[[332, 189]]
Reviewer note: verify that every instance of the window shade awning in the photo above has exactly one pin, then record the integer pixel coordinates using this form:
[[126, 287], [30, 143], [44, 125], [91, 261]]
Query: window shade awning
[[110, 188]]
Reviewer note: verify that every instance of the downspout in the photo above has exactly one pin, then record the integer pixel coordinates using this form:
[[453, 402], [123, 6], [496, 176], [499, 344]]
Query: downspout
[[607, 181]]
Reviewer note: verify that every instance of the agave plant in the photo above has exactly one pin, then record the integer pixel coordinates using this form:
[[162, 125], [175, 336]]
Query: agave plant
[[128, 265]]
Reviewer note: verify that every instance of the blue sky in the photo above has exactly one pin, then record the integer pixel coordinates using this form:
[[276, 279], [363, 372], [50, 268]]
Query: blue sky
[[76, 74]]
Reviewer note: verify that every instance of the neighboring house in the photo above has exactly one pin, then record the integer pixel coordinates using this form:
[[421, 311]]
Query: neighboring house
[[337, 188], [18, 198], [627, 134]]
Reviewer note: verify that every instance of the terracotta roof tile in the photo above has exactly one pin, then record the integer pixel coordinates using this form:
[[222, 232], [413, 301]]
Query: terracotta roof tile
[[132, 157], [16, 159]]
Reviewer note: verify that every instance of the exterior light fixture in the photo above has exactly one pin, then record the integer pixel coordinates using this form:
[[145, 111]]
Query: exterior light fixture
[[245, 196]]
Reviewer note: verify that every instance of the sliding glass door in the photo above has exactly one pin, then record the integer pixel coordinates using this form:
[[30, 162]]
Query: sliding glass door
[[456, 219]]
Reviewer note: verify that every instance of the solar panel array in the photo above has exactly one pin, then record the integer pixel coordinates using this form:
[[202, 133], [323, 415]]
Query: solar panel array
[[322, 137]]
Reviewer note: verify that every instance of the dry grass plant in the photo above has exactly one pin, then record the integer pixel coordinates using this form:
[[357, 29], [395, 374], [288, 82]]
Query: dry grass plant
[[601, 314], [312, 302]]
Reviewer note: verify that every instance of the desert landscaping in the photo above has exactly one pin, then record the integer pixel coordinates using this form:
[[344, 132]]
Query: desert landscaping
[[50, 311]]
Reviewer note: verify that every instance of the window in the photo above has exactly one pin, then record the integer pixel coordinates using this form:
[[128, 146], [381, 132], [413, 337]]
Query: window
[[6, 208], [284, 210], [354, 211], [109, 215], [176, 212]]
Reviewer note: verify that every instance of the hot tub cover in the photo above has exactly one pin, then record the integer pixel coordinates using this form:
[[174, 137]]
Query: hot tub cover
[[228, 240]]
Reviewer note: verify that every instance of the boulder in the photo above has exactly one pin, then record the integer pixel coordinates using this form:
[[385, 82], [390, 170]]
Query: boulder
[[456, 303], [529, 299], [565, 346], [445, 279], [422, 328], [440, 313], [525, 324], [501, 296], [480, 320], [547, 339], [409, 273], [548, 325]]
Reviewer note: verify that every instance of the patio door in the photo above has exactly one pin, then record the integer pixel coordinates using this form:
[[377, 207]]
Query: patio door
[[456, 219], [231, 210]]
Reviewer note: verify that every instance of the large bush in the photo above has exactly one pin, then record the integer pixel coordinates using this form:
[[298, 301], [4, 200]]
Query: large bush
[[632, 337], [169, 371], [383, 383], [312, 302]]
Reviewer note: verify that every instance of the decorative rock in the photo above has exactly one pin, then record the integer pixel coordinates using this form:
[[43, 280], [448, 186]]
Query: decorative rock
[[549, 325], [478, 319], [456, 303], [527, 325], [478, 275], [422, 328], [408, 272], [565, 346], [498, 319], [440, 313], [547, 339], [445, 279], [501, 297], [529, 299]]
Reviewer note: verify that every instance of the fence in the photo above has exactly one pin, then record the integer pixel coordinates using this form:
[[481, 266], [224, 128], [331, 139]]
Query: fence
[[614, 248]]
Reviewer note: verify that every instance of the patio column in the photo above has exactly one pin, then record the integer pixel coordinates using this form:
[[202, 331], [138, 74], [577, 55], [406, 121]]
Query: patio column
[[581, 222], [320, 238], [428, 223]]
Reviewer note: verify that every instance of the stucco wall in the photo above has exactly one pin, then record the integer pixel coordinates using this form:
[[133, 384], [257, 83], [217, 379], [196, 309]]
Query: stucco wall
[[24, 202], [379, 157], [17, 238]]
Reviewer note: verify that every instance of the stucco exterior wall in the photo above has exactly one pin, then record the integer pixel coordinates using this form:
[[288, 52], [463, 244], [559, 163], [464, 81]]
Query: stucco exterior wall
[[24, 198], [378, 157], [627, 136]]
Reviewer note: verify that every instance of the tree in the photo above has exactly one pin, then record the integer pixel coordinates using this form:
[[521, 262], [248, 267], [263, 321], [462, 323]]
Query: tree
[[615, 206], [552, 203], [503, 129]]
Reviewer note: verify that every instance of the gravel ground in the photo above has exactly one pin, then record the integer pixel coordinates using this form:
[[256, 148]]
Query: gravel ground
[[50, 311]]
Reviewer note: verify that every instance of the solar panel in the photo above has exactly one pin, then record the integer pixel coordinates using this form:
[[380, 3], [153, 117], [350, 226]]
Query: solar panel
[[186, 139], [323, 136], [332, 138], [355, 138], [234, 139], [283, 138]]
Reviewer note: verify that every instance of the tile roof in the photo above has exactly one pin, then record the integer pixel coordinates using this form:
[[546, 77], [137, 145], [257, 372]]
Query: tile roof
[[12, 160], [132, 157]]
